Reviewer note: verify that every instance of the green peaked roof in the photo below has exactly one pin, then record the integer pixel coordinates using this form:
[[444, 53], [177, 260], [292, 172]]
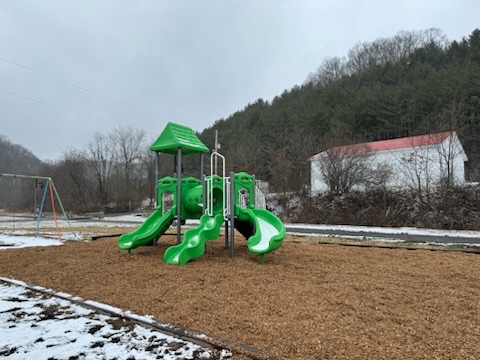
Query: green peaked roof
[[176, 136]]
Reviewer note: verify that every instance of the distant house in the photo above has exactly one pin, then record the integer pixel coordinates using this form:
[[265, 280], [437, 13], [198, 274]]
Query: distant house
[[416, 161]]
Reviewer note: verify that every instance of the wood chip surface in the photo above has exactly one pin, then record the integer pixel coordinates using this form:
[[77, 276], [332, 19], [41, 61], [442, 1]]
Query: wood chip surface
[[309, 301]]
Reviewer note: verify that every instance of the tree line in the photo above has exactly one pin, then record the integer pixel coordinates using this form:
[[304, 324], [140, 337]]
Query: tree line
[[414, 83], [110, 174], [114, 172], [15, 159]]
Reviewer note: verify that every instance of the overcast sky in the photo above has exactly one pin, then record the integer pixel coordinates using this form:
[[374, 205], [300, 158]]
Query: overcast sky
[[190, 62]]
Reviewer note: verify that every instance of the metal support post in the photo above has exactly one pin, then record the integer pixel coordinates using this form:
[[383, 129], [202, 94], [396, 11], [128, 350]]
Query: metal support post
[[204, 187], [157, 169], [35, 198], [226, 233], [202, 165], [204, 195], [232, 214], [179, 195], [254, 199]]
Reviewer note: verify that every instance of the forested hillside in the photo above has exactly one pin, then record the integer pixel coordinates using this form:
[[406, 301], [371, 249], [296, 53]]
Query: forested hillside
[[414, 83], [15, 159]]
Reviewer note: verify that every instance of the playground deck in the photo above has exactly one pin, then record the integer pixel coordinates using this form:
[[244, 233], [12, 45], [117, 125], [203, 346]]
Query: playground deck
[[309, 300]]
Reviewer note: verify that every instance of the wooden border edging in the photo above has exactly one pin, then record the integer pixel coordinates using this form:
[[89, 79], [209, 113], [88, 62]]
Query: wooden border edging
[[467, 251]]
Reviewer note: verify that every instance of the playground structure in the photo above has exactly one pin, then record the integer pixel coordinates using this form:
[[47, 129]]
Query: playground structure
[[48, 186], [215, 200]]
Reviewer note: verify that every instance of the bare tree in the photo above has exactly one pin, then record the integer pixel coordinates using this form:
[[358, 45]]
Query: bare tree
[[452, 117], [129, 145], [345, 167], [331, 69], [100, 157], [416, 168], [447, 151], [114, 169], [148, 185], [245, 155], [290, 163], [381, 51], [378, 176], [341, 168], [430, 161], [74, 182]]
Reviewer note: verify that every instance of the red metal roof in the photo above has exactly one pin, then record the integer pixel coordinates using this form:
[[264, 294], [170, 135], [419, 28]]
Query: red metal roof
[[392, 144]]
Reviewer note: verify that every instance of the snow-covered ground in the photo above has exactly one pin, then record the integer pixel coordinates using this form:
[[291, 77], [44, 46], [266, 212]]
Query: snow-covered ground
[[23, 225], [15, 226], [11, 242], [25, 222], [389, 230], [33, 325], [36, 326]]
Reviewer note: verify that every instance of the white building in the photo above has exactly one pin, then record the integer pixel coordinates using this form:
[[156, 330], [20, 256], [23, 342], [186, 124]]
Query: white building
[[417, 161]]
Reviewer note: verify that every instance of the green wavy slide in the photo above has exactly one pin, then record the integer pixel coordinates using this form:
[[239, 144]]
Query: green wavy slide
[[150, 230], [193, 244]]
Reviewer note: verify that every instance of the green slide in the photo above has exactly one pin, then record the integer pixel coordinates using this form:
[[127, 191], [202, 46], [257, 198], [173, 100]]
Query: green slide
[[193, 244], [150, 230], [269, 230]]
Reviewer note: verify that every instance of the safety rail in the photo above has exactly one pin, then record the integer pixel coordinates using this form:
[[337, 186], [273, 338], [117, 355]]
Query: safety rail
[[227, 198], [260, 201], [209, 184]]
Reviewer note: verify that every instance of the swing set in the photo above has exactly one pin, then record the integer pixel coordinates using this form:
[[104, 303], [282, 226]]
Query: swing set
[[49, 187]]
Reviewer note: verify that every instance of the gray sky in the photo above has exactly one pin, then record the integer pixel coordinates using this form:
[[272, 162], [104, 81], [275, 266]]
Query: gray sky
[[191, 62]]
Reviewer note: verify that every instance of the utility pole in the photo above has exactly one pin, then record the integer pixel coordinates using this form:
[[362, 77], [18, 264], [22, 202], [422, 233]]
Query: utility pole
[[216, 149]]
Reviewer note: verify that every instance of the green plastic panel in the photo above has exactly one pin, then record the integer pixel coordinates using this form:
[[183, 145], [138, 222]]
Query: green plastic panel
[[176, 136]]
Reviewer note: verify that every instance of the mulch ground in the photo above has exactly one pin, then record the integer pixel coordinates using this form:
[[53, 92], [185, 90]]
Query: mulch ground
[[309, 301]]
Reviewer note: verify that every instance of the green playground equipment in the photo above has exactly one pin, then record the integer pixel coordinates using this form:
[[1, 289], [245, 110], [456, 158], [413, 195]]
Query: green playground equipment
[[215, 200]]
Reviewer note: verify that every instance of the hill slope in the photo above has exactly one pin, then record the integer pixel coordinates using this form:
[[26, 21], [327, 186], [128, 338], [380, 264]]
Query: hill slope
[[15, 159], [413, 83]]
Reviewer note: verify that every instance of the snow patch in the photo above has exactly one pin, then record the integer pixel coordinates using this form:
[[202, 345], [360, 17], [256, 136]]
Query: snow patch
[[33, 326], [15, 242], [389, 230]]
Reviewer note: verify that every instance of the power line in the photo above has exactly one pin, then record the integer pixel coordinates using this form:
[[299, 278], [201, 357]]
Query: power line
[[55, 106], [79, 87]]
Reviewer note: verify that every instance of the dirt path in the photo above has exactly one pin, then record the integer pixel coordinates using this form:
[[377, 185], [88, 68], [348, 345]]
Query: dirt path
[[309, 301]]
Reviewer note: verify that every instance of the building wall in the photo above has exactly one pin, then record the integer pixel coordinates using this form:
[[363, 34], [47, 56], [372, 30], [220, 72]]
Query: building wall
[[409, 165], [317, 184]]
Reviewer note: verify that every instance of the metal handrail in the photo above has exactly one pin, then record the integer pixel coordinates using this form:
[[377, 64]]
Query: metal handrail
[[209, 185], [209, 188], [227, 198]]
